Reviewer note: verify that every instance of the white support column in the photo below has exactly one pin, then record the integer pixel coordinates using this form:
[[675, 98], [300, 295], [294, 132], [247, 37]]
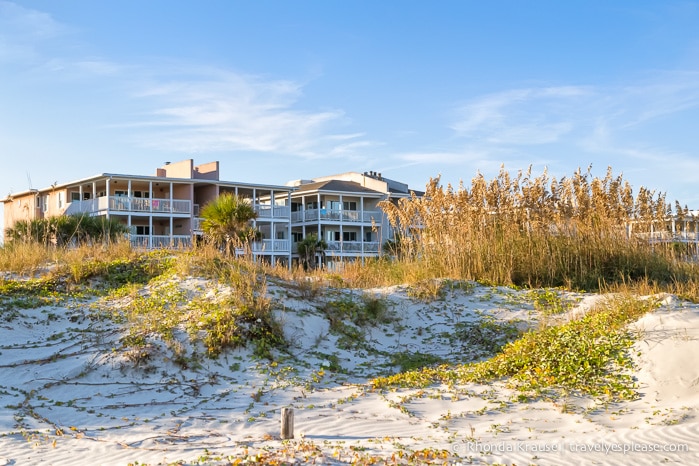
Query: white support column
[[288, 227], [318, 214], [108, 197], [150, 201], [361, 222], [342, 238]]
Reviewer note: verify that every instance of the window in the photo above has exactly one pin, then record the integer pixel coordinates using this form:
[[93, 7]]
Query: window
[[295, 207], [349, 205], [44, 203], [312, 205], [142, 230], [144, 194], [335, 205], [280, 235], [368, 236], [349, 236], [296, 236], [120, 193], [61, 199], [74, 196]]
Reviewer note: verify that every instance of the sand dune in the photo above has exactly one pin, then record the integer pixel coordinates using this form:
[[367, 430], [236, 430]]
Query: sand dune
[[70, 395]]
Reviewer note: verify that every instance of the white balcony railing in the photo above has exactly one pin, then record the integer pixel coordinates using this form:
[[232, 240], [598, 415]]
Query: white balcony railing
[[130, 204], [160, 241], [271, 245], [348, 247], [347, 216], [269, 211], [196, 223], [138, 204]]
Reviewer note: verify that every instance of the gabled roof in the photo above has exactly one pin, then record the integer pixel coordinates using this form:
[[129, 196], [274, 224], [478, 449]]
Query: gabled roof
[[338, 186]]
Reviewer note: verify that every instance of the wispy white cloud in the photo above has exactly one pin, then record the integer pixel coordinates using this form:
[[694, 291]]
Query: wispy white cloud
[[23, 31], [520, 116], [443, 158], [225, 111], [584, 117], [665, 93]]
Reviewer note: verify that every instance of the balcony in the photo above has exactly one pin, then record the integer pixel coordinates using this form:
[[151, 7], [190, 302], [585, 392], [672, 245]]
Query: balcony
[[138, 204], [265, 211], [160, 241], [345, 216], [271, 246], [348, 247], [130, 204]]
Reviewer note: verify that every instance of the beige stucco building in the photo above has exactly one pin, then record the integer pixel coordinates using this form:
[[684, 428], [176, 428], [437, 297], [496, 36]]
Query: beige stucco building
[[162, 210]]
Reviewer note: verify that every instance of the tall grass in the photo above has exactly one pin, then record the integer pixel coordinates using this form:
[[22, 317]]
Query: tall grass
[[579, 232], [24, 258]]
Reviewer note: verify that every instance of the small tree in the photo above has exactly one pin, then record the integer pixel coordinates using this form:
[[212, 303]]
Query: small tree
[[227, 222], [308, 248]]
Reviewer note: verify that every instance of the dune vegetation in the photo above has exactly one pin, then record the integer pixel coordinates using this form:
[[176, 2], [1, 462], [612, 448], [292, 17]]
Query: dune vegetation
[[577, 234]]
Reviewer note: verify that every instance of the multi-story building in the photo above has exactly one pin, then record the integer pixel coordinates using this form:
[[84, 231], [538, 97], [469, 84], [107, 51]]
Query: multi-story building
[[344, 211], [161, 210]]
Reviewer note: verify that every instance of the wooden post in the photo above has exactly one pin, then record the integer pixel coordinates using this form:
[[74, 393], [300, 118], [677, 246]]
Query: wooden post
[[287, 423]]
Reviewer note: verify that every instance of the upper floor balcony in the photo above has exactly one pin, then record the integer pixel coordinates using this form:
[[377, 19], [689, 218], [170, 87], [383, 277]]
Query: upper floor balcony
[[130, 204], [336, 215], [266, 211]]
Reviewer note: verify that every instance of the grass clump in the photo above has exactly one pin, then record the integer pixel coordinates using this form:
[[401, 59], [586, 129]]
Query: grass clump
[[348, 317], [235, 313], [484, 337], [587, 356], [407, 361], [230, 324], [367, 311]]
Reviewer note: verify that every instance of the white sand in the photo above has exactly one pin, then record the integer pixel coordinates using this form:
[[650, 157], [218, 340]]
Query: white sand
[[69, 396]]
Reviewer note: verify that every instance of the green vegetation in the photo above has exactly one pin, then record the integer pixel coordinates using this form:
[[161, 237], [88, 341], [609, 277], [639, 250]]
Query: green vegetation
[[310, 247], [587, 356], [348, 318], [226, 222], [66, 230]]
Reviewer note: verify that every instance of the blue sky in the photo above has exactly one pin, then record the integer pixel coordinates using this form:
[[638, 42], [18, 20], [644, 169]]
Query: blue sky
[[281, 90]]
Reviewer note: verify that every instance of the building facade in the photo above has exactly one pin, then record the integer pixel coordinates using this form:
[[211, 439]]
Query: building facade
[[344, 210], [162, 210]]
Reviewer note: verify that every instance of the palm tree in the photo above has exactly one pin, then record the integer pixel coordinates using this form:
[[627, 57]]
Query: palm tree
[[66, 230], [227, 222], [308, 248]]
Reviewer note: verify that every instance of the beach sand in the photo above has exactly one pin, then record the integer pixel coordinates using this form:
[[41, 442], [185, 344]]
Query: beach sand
[[70, 394]]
